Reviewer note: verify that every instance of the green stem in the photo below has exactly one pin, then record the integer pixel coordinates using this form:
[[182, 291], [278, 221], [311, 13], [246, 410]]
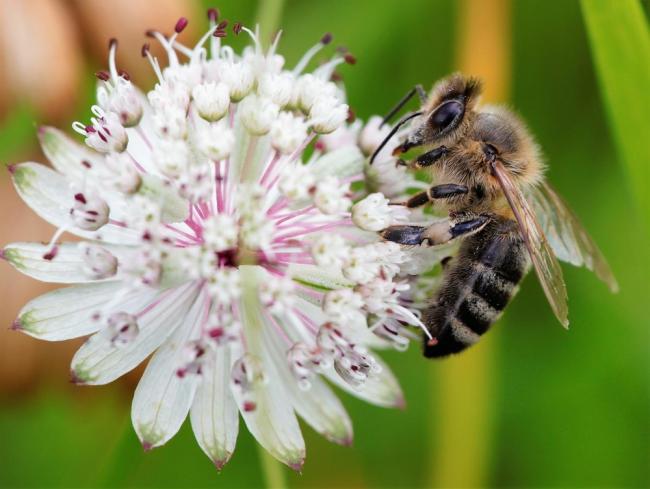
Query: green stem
[[269, 13], [272, 470]]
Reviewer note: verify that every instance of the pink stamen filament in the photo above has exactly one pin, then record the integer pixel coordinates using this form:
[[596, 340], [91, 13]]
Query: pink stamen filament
[[324, 227], [297, 213]]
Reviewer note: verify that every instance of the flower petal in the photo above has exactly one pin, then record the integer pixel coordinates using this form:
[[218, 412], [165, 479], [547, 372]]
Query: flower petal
[[381, 388], [341, 163], [66, 268], [65, 313], [49, 195], [273, 422], [65, 154], [163, 399], [318, 406], [214, 414], [318, 277], [99, 362]]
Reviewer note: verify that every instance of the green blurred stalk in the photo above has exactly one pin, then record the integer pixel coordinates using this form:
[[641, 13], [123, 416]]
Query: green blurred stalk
[[620, 45], [272, 470], [269, 14], [464, 387]]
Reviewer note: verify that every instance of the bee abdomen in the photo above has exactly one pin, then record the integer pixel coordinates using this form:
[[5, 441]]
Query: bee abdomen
[[473, 295]]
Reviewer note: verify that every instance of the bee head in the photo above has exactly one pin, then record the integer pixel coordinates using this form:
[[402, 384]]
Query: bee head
[[446, 116]]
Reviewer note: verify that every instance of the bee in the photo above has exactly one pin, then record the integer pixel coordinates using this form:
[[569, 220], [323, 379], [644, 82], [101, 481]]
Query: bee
[[490, 184]]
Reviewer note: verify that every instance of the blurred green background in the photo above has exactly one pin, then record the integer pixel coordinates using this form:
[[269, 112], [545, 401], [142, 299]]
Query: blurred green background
[[530, 406]]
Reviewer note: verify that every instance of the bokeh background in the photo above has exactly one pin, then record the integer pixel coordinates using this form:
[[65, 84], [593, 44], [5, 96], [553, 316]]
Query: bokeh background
[[530, 406]]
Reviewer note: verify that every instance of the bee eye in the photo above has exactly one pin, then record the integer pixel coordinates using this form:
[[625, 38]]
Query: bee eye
[[447, 115]]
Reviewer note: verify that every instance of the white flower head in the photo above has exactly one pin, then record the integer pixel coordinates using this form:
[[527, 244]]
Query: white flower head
[[375, 213], [213, 244]]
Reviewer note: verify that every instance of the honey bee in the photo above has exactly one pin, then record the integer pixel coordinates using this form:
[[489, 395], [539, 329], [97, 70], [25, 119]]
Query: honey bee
[[490, 184]]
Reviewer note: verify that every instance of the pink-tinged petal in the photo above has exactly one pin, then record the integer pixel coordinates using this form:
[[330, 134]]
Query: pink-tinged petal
[[67, 267], [342, 163], [50, 195], [214, 414], [163, 397], [318, 405], [381, 388], [69, 157], [67, 313], [271, 420], [99, 361]]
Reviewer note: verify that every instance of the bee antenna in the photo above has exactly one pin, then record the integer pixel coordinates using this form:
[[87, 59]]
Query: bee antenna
[[403, 121], [402, 102]]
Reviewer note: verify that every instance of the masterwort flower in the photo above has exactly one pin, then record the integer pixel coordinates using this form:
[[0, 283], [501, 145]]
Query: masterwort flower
[[213, 243]]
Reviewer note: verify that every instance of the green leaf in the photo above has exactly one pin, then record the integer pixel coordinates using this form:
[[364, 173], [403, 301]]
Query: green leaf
[[620, 44]]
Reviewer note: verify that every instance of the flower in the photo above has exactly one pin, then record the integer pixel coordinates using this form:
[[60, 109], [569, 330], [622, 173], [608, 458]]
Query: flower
[[209, 243]]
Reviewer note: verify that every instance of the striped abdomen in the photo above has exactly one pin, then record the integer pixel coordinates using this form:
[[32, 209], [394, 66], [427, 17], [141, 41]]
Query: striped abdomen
[[477, 286]]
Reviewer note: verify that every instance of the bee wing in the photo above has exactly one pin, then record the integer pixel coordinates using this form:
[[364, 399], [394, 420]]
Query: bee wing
[[568, 238], [546, 265]]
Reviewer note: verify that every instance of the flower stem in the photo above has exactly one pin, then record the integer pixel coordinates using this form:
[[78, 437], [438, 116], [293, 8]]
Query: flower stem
[[272, 470], [464, 386], [269, 13]]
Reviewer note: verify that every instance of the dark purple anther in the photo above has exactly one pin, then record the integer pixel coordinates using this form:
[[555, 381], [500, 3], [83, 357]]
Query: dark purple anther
[[236, 28], [222, 25], [180, 25], [145, 50], [103, 75], [124, 74], [326, 39], [80, 198], [213, 14], [50, 255], [349, 59]]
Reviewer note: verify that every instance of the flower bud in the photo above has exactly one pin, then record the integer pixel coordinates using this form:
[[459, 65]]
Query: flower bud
[[296, 181], [327, 115], [240, 79], [258, 114], [99, 263], [211, 100], [372, 213], [276, 87], [372, 135], [288, 132], [89, 212], [331, 196], [172, 157], [216, 141], [311, 89], [107, 134], [122, 328], [124, 101]]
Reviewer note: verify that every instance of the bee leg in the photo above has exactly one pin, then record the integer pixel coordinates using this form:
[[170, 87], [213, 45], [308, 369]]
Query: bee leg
[[429, 158], [443, 191], [437, 233]]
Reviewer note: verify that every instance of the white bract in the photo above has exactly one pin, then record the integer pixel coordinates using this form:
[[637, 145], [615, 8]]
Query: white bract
[[211, 245]]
